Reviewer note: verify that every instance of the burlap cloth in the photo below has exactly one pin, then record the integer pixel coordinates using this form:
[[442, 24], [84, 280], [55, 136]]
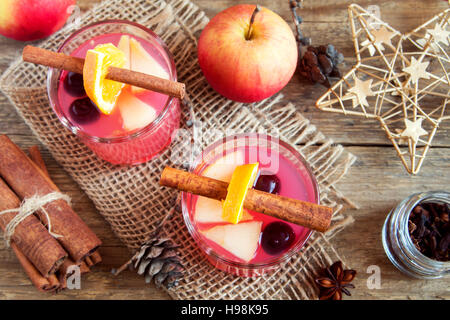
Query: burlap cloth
[[130, 199]]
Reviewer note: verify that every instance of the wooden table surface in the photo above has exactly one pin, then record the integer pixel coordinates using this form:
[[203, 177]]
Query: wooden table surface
[[377, 181]]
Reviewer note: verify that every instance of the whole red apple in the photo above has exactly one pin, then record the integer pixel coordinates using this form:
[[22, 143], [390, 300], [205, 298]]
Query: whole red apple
[[28, 20], [247, 65]]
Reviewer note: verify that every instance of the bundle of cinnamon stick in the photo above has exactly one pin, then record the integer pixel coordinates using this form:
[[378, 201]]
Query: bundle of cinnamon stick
[[45, 259]]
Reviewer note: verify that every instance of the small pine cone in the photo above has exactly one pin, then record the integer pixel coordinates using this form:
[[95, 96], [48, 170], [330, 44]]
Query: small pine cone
[[158, 260], [320, 63]]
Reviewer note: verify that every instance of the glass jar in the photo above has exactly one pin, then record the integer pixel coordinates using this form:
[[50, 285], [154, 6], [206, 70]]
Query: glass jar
[[397, 242], [136, 146]]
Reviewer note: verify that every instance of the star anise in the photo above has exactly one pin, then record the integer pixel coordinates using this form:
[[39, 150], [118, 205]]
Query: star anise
[[335, 281]]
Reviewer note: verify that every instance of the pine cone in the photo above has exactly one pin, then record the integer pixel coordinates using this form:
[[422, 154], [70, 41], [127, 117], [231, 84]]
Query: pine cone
[[319, 63], [157, 260]]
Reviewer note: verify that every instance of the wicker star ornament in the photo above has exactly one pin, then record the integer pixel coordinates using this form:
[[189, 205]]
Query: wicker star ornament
[[402, 81]]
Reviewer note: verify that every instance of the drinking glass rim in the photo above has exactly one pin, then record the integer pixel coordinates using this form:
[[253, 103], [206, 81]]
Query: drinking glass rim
[[278, 260], [75, 129]]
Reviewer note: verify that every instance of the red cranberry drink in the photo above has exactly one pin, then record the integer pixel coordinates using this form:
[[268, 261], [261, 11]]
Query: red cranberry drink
[[258, 243], [142, 121]]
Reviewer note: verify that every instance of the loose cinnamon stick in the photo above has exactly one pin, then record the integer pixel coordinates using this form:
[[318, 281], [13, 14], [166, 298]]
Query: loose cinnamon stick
[[30, 236], [49, 284], [62, 61], [27, 180], [303, 213]]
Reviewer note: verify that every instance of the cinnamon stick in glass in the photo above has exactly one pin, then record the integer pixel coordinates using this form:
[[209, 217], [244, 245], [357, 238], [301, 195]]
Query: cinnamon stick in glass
[[302, 213], [30, 236], [27, 179], [62, 61]]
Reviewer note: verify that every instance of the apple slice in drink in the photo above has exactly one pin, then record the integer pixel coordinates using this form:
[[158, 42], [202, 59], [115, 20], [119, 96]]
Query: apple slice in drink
[[124, 46], [224, 167], [140, 60], [240, 239], [135, 113], [210, 210]]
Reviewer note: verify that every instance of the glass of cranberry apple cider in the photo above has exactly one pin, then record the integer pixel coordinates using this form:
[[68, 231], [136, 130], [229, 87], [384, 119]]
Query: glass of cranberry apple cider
[[141, 123], [258, 243]]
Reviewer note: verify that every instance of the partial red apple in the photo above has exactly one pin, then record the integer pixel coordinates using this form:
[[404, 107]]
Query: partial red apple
[[247, 65], [28, 20]]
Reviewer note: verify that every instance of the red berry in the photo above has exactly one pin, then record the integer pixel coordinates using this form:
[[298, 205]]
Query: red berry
[[277, 237], [84, 111], [73, 83], [268, 183]]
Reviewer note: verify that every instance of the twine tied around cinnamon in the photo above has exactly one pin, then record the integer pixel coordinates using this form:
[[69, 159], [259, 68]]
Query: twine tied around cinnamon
[[28, 207]]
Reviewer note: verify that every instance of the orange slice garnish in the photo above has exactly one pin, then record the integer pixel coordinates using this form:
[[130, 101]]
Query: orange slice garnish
[[242, 179], [101, 91]]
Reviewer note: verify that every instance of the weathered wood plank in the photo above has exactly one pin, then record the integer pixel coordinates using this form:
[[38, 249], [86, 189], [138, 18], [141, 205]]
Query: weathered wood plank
[[377, 183]]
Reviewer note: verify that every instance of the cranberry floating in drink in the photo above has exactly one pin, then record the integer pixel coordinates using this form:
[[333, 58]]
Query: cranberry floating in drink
[[122, 124], [83, 111], [277, 237], [268, 183], [73, 84], [258, 243]]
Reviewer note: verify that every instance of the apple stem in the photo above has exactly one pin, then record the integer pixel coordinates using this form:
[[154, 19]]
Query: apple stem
[[252, 19]]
